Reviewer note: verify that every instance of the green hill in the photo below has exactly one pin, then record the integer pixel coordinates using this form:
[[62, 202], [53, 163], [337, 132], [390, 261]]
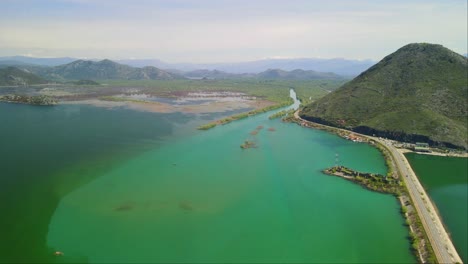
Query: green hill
[[418, 93], [15, 76], [103, 70]]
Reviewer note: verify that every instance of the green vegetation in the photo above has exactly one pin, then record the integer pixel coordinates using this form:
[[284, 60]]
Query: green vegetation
[[281, 114], [248, 144], [417, 93], [98, 70], [32, 100], [374, 182], [84, 82], [207, 126], [391, 171], [272, 90], [418, 237], [121, 99], [15, 76], [243, 115]]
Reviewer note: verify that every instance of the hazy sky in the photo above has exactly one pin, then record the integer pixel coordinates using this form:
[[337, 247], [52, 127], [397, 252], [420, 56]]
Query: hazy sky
[[227, 31]]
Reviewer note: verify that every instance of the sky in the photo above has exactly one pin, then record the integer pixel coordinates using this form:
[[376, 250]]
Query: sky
[[202, 31]]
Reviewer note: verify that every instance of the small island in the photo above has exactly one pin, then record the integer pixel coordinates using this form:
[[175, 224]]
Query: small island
[[248, 144], [32, 100]]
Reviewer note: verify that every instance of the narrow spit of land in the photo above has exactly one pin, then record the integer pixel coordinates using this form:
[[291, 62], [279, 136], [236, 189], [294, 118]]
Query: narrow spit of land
[[371, 181], [439, 239]]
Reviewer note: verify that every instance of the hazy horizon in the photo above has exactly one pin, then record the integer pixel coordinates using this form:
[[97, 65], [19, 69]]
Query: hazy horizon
[[183, 62], [227, 31]]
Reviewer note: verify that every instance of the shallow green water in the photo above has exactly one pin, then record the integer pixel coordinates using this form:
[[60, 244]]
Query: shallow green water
[[446, 180], [45, 152], [201, 198]]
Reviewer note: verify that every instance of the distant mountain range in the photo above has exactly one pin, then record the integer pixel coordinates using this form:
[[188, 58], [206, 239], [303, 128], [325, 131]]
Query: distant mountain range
[[342, 67], [296, 74], [12, 76], [338, 66], [22, 60], [107, 69], [418, 93], [93, 70], [102, 70], [270, 74]]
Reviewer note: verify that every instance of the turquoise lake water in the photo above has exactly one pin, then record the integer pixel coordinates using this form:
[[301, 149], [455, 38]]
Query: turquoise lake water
[[126, 186]]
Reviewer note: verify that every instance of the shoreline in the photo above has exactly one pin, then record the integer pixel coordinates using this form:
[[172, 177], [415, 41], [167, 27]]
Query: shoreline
[[232, 118], [440, 154], [161, 107], [371, 181], [440, 247], [292, 102]]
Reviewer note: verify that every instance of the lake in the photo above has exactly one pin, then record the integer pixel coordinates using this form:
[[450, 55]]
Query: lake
[[446, 181], [117, 185]]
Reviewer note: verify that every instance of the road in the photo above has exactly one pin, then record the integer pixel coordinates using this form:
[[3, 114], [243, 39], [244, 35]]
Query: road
[[440, 241], [438, 237]]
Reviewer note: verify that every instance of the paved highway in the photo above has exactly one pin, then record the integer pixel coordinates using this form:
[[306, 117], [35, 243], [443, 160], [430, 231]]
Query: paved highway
[[439, 239]]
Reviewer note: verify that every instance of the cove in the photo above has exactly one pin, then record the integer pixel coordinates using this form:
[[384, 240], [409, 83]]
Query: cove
[[201, 198]]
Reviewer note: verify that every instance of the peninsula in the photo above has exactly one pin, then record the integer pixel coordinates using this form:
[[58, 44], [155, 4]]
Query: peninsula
[[32, 100]]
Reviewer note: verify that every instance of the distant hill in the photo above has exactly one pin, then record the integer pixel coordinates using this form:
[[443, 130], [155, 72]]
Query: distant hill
[[105, 69], [270, 74], [84, 82], [140, 63], [344, 67], [7, 63], [297, 74], [418, 93], [211, 74], [37, 61], [15, 76], [338, 66]]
